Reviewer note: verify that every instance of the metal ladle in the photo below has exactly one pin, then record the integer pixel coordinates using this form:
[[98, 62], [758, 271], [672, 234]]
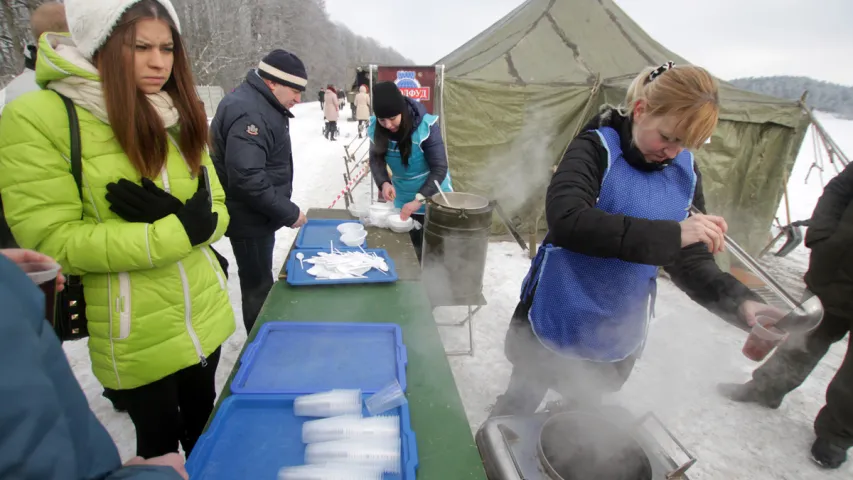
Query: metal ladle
[[804, 316]]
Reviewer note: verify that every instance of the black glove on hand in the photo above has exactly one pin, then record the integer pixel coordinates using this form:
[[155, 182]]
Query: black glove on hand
[[145, 204], [197, 217]]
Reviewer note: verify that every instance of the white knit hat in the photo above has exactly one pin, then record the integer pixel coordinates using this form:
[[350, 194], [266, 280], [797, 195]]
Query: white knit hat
[[92, 21]]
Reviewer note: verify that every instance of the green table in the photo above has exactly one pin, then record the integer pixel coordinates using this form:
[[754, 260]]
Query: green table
[[446, 448]]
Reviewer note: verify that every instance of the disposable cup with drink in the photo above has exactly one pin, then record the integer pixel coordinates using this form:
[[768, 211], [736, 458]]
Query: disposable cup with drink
[[763, 338], [44, 274]]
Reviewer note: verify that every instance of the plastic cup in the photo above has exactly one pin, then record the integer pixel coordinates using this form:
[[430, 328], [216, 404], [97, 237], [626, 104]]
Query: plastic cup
[[379, 453], [351, 427], [333, 403], [763, 338], [330, 472], [44, 275], [389, 397]]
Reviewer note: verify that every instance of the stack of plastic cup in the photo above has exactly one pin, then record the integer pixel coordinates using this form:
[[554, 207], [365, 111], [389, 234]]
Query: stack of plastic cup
[[380, 453], [391, 396], [328, 404], [330, 472], [350, 427]]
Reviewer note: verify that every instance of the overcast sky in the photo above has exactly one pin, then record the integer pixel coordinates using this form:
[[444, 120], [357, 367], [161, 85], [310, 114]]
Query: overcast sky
[[737, 38]]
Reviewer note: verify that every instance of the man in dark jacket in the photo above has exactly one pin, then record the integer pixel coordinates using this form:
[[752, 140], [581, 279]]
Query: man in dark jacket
[[47, 430], [253, 158], [830, 277]]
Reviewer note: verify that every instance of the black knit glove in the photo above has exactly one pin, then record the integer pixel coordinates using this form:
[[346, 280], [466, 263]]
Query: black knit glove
[[144, 204], [197, 216]]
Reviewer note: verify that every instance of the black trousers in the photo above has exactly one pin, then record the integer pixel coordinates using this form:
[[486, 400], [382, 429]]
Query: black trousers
[[537, 369], [417, 235], [254, 267], [171, 410], [792, 363]]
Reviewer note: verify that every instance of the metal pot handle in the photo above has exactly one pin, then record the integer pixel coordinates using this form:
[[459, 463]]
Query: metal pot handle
[[680, 471]]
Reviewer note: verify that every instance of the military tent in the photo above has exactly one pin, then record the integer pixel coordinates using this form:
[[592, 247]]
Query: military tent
[[515, 95]]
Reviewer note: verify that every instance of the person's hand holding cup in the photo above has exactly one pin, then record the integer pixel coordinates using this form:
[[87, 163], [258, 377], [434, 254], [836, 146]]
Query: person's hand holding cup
[[43, 271]]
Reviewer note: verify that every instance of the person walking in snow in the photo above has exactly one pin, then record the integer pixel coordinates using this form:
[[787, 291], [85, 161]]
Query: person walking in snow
[[830, 277], [48, 430], [253, 155], [330, 111], [617, 209], [139, 232], [362, 109], [406, 139]]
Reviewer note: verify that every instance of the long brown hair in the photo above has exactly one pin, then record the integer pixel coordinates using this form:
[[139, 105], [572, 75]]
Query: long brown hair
[[137, 125]]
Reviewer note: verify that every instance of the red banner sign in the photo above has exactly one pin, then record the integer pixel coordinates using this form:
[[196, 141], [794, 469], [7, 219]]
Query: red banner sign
[[417, 83]]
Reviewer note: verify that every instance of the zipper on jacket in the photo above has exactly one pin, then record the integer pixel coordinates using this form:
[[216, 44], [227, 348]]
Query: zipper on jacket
[[213, 266], [188, 314], [123, 305], [185, 284]]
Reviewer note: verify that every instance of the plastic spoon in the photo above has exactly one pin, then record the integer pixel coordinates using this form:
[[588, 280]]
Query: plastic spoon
[[300, 256], [438, 185]]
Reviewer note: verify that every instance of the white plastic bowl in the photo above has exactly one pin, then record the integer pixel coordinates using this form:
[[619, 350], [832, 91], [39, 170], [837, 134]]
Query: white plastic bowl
[[350, 227], [353, 239], [359, 211], [378, 212], [397, 224]]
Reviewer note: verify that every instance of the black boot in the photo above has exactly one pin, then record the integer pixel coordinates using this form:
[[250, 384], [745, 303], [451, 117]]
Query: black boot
[[828, 455], [115, 400], [749, 393]]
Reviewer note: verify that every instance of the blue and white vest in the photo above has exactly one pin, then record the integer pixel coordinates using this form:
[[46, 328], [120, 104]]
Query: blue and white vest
[[408, 181], [598, 308]]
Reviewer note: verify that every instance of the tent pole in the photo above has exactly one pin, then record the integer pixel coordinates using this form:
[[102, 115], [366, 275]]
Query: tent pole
[[832, 147]]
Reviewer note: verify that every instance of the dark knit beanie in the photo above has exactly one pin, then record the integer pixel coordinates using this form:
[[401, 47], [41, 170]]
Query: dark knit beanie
[[285, 68], [388, 101]]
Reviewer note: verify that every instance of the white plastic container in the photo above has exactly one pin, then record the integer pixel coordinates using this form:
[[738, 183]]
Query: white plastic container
[[330, 472], [350, 227], [378, 213], [375, 453], [354, 238], [397, 224], [351, 427]]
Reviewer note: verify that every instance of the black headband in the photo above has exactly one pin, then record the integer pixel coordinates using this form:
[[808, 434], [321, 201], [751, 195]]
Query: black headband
[[659, 71]]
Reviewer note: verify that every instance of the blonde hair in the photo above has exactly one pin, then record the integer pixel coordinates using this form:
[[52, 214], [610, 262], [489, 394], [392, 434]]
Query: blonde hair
[[687, 92], [50, 17]]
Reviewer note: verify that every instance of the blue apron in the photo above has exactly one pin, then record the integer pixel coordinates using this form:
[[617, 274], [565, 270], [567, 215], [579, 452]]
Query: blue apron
[[598, 308], [408, 181]]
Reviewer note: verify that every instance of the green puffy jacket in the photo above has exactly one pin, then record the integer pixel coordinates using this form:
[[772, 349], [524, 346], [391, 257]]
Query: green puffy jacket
[[155, 304]]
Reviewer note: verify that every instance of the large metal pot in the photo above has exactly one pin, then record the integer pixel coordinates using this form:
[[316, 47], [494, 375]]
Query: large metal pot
[[456, 238], [585, 446]]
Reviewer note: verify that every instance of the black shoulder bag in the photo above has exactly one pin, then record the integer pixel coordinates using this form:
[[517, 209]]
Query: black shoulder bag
[[70, 319]]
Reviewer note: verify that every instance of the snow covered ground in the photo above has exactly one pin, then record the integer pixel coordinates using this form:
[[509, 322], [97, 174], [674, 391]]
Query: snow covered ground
[[688, 353]]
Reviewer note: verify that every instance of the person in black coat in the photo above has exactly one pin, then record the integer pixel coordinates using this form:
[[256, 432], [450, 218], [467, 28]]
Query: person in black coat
[[252, 154], [830, 277], [617, 209]]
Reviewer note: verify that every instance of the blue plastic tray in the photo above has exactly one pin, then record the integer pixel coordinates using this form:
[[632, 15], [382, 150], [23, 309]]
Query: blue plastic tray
[[255, 432], [298, 277], [317, 234], [253, 436], [295, 358]]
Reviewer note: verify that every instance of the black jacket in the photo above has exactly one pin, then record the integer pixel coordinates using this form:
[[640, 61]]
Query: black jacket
[[252, 154], [433, 148], [830, 237], [574, 222]]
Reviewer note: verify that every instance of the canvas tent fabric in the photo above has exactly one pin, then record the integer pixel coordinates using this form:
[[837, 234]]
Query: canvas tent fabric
[[515, 95]]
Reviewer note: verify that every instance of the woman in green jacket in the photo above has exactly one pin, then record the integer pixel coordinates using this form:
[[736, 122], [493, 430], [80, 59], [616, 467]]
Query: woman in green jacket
[[156, 299]]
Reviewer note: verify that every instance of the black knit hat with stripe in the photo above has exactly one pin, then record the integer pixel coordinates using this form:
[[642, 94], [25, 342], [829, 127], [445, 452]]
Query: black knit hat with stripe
[[285, 68]]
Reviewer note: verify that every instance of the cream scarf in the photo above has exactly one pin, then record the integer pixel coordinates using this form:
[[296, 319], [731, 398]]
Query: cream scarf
[[88, 94]]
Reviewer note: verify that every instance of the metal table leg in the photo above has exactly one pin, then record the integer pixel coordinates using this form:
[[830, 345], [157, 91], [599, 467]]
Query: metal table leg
[[469, 319]]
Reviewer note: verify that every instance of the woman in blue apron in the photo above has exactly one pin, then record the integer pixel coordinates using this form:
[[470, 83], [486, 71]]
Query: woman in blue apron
[[406, 139], [617, 209]]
